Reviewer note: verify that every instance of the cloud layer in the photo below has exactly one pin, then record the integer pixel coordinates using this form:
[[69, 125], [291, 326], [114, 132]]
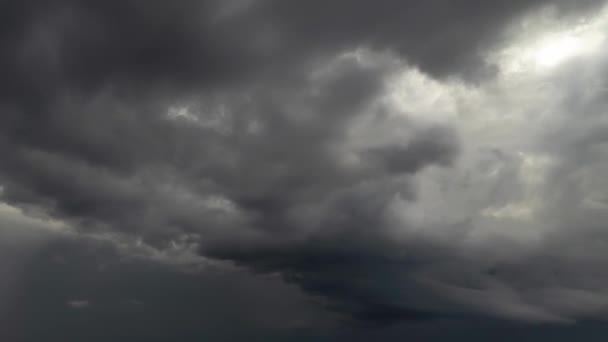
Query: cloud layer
[[396, 160]]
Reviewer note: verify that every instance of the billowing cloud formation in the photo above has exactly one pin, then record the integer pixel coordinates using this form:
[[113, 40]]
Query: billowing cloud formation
[[401, 160]]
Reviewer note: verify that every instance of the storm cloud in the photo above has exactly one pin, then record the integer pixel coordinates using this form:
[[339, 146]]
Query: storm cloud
[[393, 161]]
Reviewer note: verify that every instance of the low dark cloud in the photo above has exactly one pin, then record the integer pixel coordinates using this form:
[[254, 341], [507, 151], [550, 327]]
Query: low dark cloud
[[340, 146]]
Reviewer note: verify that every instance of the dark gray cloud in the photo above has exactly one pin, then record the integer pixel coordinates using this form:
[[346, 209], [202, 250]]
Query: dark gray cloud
[[80, 288], [339, 145]]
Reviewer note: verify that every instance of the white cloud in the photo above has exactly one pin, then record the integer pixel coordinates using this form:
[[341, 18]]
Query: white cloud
[[78, 303]]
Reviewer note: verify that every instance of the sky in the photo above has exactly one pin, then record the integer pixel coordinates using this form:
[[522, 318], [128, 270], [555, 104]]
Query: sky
[[283, 170]]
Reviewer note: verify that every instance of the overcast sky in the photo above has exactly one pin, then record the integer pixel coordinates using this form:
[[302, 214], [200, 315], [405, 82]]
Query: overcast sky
[[319, 170]]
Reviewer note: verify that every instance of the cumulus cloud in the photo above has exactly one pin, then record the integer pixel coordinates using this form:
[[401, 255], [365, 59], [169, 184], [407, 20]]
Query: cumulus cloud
[[399, 160]]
